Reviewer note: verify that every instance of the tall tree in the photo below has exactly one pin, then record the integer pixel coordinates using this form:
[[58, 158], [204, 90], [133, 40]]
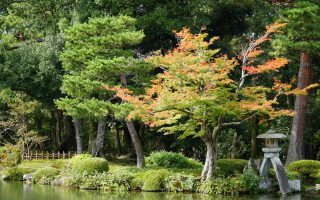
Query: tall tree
[[197, 89], [301, 35], [99, 53]]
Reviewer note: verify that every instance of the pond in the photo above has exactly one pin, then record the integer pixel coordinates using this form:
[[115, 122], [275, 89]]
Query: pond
[[20, 191]]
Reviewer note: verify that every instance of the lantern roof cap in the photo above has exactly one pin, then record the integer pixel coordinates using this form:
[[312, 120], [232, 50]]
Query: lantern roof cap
[[271, 134]]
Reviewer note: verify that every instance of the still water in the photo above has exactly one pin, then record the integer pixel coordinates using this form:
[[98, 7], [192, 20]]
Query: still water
[[20, 191]]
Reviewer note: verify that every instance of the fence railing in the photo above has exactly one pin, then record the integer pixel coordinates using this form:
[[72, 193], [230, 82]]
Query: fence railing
[[47, 155]]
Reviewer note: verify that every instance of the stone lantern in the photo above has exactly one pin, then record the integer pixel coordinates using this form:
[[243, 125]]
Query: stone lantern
[[271, 156]]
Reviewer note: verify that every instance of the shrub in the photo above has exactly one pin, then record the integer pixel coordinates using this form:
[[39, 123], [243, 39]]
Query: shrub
[[306, 168], [120, 181], [171, 160], [230, 167], [10, 156], [75, 159], [15, 173], [72, 179], [90, 166], [45, 175], [152, 180], [249, 181], [228, 186], [181, 183]]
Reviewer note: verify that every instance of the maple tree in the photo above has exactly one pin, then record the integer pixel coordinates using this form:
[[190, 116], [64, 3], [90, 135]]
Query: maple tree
[[197, 96]]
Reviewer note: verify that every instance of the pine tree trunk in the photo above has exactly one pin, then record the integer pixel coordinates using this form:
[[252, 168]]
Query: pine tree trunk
[[296, 146], [133, 133], [78, 134], [136, 143], [59, 126], [98, 143], [92, 134], [117, 139]]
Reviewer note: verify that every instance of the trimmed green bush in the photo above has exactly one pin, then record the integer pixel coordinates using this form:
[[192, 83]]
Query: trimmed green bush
[[230, 167], [45, 175], [171, 160], [306, 168], [15, 173], [75, 159], [152, 180], [90, 166]]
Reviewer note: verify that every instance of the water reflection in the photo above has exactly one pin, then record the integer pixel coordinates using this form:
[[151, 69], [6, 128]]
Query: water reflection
[[19, 191]]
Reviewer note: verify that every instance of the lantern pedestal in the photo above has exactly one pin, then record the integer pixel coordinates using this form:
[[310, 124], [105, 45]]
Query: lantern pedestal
[[271, 157]]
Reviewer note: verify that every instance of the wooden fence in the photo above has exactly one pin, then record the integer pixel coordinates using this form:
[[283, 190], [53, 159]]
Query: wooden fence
[[47, 155]]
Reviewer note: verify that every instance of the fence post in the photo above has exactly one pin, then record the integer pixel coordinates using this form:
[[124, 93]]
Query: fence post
[[36, 155], [63, 155], [47, 155], [69, 154]]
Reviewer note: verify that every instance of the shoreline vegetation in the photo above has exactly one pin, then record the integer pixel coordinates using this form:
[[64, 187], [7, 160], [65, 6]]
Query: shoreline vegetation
[[164, 172]]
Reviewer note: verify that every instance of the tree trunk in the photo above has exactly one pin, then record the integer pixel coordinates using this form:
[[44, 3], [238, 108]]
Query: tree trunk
[[136, 143], [211, 157], [92, 134], [78, 135], [117, 139], [98, 143], [68, 142], [254, 134], [210, 140], [234, 145], [59, 126], [296, 145], [133, 133]]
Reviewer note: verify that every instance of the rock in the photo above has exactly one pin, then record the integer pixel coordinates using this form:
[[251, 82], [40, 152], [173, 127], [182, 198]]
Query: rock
[[295, 185], [27, 177], [265, 184]]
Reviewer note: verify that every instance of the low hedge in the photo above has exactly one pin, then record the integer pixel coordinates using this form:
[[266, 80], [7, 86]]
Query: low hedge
[[171, 160], [305, 168], [230, 167], [90, 166]]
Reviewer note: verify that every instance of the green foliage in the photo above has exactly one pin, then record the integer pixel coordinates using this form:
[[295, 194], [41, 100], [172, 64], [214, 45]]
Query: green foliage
[[15, 173], [229, 186], [96, 54], [230, 167], [181, 183], [90, 166], [10, 156], [152, 180], [75, 159], [306, 168], [120, 181], [250, 180], [171, 160], [302, 32], [45, 175]]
